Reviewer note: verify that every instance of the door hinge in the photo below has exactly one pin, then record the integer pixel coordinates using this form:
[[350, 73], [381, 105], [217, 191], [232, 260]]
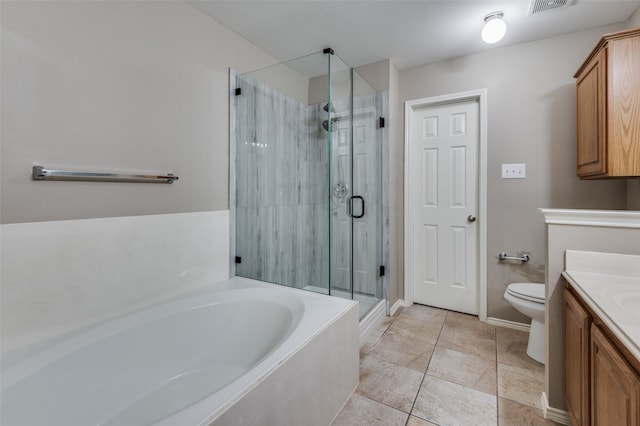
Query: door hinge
[[238, 91], [382, 270], [238, 259], [381, 122]]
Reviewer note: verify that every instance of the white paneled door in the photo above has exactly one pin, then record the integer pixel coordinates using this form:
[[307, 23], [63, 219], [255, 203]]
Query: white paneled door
[[443, 150]]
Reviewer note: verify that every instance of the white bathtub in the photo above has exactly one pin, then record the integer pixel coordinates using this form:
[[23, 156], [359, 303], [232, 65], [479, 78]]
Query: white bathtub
[[237, 352]]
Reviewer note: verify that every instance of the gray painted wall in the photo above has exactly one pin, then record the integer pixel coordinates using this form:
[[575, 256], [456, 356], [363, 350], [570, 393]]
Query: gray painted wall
[[633, 194], [634, 20], [531, 119], [129, 86], [396, 185], [376, 74]]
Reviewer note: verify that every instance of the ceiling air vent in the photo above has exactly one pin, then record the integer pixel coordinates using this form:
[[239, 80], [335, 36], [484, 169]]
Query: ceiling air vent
[[538, 6]]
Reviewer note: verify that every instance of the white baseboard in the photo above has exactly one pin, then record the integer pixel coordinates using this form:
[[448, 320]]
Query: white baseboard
[[508, 324], [372, 319], [560, 416], [399, 304]]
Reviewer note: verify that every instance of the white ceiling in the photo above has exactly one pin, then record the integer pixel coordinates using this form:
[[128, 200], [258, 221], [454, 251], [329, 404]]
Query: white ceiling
[[409, 32]]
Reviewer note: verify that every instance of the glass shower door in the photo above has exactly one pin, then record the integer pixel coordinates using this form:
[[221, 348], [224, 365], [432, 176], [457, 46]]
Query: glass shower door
[[340, 178], [355, 189], [367, 194]]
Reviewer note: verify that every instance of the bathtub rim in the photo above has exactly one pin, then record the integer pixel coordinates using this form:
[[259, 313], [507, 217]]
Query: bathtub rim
[[200, 412], [310, 297], [122, 323]]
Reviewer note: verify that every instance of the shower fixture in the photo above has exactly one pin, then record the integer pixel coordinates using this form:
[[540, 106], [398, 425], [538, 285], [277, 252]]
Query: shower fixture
[[340, 190], [328, 108], [325, 124]]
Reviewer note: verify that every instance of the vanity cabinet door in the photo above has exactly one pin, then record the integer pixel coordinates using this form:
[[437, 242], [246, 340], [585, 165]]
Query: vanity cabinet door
[[616, 387], [576, 359]]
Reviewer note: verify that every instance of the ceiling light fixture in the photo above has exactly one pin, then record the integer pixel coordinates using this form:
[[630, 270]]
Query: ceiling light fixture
[[494, 28]]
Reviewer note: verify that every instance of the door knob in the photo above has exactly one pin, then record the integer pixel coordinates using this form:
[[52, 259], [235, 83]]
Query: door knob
[[471, 218]]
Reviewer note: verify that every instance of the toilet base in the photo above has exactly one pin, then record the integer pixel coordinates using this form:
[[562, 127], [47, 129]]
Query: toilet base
[[535, 347]]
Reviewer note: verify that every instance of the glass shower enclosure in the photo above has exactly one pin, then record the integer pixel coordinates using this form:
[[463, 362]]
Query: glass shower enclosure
[[308, 178]]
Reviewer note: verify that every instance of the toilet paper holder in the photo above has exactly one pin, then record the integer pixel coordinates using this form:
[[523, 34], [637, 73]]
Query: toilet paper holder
[[504, 256]]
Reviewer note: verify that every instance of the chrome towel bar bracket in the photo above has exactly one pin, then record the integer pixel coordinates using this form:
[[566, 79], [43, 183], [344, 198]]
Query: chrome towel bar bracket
[[504, 256], [40, 173]]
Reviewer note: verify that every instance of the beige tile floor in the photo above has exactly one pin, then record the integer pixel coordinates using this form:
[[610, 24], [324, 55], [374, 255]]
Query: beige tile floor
[[428, 366]]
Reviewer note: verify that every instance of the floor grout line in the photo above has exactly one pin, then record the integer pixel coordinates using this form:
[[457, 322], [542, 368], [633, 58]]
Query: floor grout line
[[383, 403], [435, 345]]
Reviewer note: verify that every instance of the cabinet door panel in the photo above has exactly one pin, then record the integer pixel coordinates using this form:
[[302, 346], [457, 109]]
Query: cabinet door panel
[[576, 359], [615, 398], [623, 94], [591, 117]]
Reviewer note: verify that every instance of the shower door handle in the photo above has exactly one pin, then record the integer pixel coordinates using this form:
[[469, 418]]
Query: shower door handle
[[350, 207]]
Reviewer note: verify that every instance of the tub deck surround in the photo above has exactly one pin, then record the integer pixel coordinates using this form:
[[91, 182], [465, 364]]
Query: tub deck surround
[[62, 276], [232, 352], [610, 284]]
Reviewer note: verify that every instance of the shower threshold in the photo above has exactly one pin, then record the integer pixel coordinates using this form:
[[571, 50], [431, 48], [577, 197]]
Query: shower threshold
[[365, 301], [372, 309]]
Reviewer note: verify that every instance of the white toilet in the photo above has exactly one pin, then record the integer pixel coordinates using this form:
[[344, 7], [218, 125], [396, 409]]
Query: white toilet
[[528, 299]]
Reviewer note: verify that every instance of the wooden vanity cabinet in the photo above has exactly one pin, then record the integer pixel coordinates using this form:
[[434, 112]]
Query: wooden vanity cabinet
[[601, 377], [608, 108]]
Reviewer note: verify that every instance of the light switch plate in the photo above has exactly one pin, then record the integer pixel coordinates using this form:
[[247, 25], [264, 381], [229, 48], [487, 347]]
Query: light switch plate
[[514, 171]]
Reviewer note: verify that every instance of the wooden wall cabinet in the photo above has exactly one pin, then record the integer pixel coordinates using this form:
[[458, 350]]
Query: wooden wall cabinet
[[602, 380], [608, 108]]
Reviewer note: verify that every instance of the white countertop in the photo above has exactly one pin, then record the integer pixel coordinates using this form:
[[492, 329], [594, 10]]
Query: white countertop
[[610, 285]]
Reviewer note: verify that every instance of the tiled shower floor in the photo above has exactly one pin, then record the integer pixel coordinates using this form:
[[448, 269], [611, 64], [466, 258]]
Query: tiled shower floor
[[428, 366]]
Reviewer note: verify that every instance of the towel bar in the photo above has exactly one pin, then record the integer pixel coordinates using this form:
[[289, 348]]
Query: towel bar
[[40, 173]]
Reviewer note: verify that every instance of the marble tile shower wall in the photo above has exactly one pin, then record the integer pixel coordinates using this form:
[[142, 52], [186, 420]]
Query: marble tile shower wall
[[282, 230]]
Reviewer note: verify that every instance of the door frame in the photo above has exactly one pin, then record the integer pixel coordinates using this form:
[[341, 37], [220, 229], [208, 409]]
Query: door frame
[[479, 95]]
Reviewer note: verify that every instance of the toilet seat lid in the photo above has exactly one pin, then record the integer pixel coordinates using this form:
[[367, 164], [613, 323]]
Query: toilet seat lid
[[528, 291]]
